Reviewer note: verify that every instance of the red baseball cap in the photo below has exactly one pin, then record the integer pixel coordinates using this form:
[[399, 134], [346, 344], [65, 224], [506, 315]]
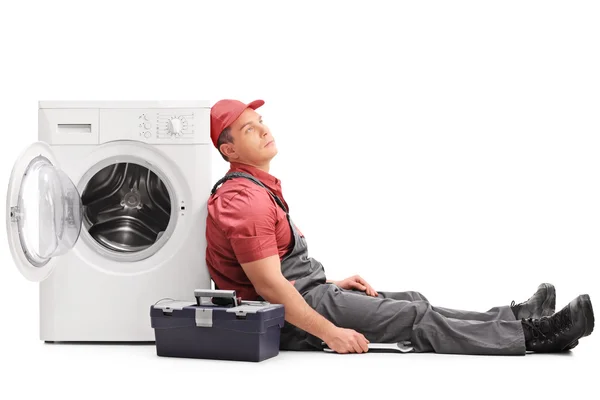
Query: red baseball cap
[[225, 112]]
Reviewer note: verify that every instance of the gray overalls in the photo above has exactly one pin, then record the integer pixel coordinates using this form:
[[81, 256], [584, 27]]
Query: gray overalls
[[391, 317]]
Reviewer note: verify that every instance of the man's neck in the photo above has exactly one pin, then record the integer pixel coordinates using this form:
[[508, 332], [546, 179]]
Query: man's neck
[[263, 167]]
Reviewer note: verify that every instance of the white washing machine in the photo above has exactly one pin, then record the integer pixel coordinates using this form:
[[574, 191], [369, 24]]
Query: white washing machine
[[108, 212]]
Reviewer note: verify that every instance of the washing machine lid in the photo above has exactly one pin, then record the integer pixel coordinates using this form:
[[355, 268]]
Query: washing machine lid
[[44, 212]]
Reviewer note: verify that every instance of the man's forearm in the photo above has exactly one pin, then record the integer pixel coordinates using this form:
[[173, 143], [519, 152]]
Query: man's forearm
[[297, 311]]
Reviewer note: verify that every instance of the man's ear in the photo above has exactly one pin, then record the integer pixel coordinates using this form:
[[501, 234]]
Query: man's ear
[[229, 151]]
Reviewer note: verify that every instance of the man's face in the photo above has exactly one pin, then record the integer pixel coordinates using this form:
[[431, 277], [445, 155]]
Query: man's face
[[252, 140]]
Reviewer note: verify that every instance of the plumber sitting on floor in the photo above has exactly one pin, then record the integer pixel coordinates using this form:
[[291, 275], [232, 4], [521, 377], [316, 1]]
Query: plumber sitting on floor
[[254, 248]]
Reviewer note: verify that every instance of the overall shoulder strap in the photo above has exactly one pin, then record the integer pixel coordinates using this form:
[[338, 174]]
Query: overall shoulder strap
[[251, 178]]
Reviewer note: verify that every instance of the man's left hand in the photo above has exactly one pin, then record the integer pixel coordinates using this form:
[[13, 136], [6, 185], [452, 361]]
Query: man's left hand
[[356, 282]]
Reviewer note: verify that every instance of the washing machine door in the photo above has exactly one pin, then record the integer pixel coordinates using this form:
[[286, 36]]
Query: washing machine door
[[43, 217]]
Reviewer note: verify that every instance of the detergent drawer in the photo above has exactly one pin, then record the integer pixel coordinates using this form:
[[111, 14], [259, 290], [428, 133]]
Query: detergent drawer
[[241, 331]]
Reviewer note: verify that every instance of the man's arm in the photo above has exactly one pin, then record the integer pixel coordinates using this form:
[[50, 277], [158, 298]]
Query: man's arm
[[272, 286]]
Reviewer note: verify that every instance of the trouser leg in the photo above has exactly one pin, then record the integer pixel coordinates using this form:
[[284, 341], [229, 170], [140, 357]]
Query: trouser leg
[[388, 320], [503, 313]]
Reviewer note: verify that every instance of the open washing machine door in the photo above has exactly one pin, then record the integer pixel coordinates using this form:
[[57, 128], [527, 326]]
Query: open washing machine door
[[43, 216]]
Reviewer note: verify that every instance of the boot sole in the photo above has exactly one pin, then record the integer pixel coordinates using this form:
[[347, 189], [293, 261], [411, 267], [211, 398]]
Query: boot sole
[[589, 315], [550, 301], [572, 345]]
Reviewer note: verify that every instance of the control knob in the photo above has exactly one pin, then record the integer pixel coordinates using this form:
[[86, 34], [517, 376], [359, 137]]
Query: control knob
[[175, 126]]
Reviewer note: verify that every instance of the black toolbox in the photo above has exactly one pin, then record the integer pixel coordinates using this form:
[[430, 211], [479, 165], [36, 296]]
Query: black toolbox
[[218, 325]]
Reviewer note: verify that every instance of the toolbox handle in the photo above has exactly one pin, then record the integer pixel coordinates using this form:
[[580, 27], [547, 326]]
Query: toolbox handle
[[223, 294]]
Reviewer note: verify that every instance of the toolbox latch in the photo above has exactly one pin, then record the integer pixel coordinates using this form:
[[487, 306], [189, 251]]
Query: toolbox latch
[[204, 317]]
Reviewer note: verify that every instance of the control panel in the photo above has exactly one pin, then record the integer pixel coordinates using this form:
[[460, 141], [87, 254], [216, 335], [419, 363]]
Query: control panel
[[156, 125], [167, 125]]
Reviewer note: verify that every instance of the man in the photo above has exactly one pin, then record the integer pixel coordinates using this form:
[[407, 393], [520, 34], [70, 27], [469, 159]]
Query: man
[[253, 247]]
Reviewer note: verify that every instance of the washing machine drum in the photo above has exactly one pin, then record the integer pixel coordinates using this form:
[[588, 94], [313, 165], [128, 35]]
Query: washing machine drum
[[126, 207]]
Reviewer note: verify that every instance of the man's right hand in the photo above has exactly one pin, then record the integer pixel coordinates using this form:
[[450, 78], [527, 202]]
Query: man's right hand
[[343, 341]]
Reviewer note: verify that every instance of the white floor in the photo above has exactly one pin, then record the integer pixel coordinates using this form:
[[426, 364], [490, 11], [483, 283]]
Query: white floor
[[33, 368]]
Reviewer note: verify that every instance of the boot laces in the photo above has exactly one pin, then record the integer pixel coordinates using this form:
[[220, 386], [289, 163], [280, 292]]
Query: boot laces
[[557, 324], [534, 327], [516, 306], [519, 305]]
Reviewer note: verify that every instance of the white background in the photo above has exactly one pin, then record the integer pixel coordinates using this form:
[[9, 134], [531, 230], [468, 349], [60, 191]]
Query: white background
[[445, 147]]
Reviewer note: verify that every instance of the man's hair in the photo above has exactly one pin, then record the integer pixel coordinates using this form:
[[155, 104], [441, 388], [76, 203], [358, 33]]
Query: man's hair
[[224, 137]]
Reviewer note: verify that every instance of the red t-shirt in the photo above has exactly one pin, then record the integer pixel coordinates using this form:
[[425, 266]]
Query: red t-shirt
[[244, 224]]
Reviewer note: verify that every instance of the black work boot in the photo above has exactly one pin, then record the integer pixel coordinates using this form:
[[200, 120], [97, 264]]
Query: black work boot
[[561, 331], [541, 304]]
